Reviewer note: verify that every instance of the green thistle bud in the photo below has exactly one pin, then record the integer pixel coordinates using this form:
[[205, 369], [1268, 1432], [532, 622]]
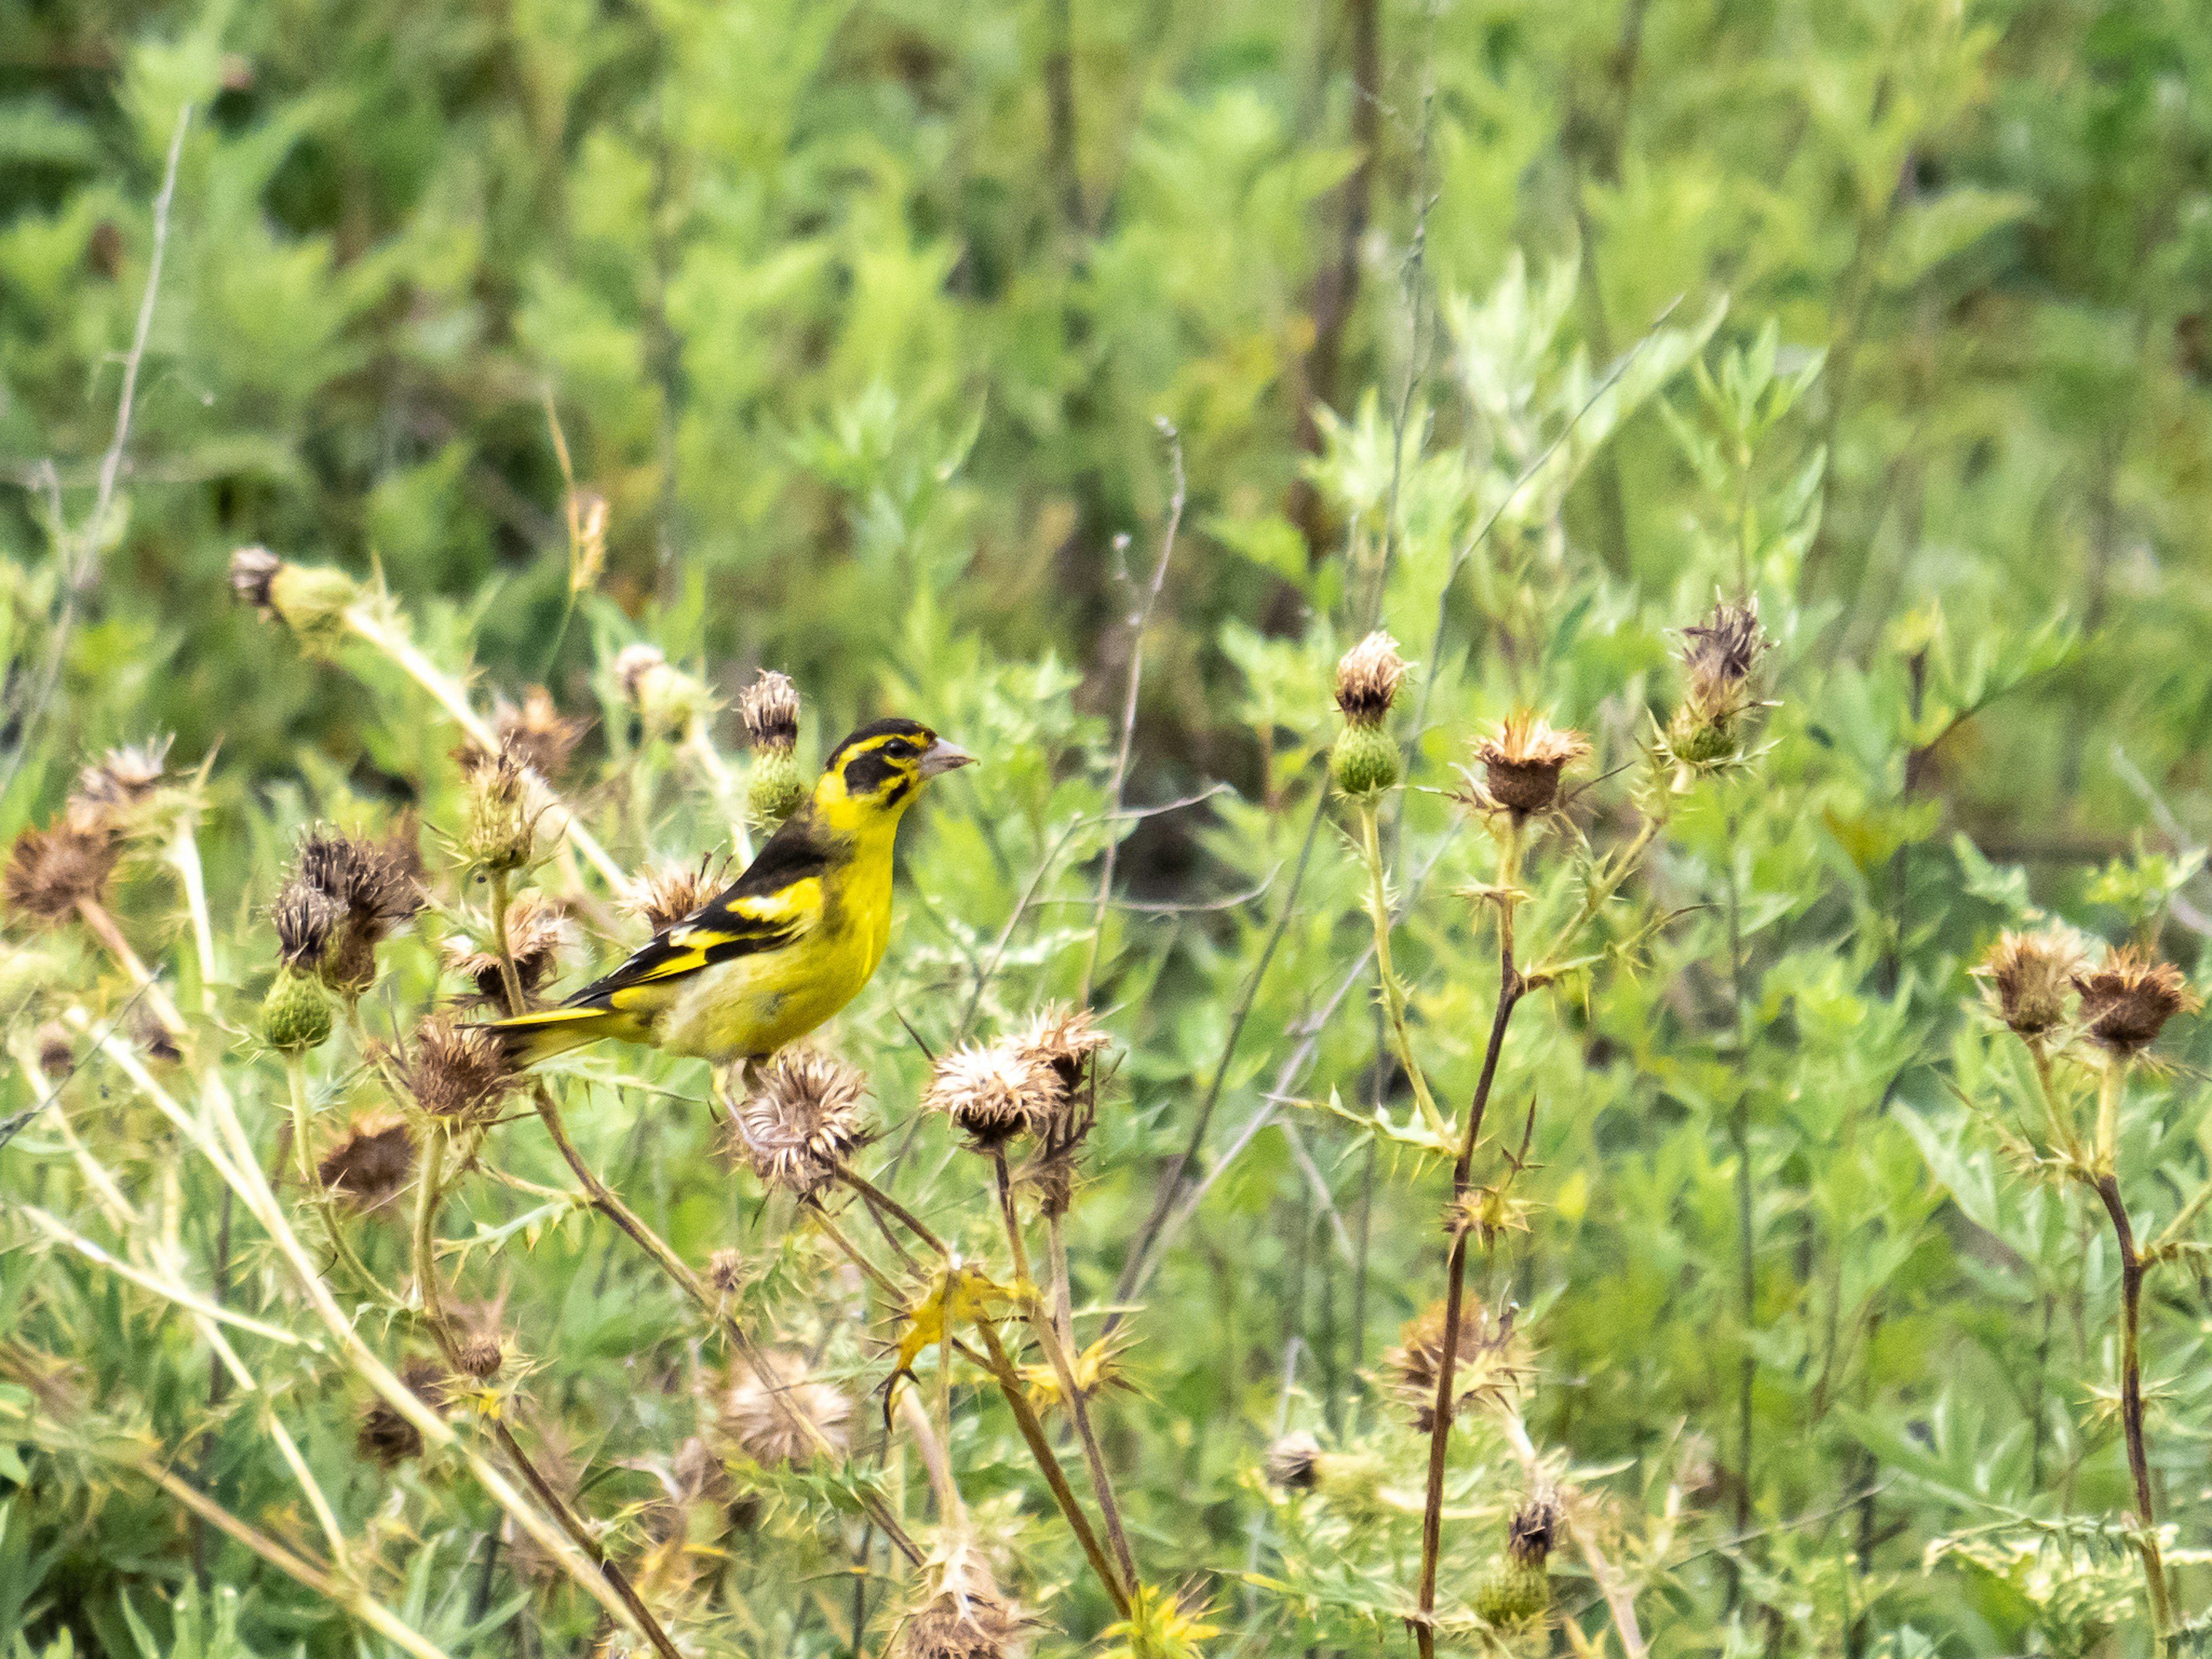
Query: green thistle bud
[[502, 830], [1365, 760], [775, 787], [310, 600], [1513, 1592], [295, 1015]]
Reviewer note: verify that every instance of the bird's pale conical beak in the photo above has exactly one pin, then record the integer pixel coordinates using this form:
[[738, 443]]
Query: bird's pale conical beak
[[942, 756]]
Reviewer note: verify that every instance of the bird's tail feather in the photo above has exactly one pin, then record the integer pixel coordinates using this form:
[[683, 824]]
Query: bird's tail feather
[[529, 1038]]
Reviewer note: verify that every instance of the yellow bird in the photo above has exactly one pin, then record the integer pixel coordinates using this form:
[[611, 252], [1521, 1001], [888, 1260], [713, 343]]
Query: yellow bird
[[787, 945]]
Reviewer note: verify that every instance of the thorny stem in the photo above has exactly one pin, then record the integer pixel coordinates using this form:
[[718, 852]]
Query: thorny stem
[[934, 1460], [1393, 992], [429, 1191], [2131, 1405], [1025, 1419], [510, 978], [1042, 1324], [1511, 988], [663, 1256], [882, 1201]]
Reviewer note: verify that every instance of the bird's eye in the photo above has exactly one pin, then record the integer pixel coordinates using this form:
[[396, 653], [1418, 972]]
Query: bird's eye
[[899, 749]]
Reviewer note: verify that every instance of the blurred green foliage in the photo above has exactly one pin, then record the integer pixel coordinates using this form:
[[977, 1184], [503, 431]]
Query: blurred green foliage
[[1519, 328]]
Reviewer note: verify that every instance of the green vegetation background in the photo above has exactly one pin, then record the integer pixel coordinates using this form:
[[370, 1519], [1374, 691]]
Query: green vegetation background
[[861, 316]]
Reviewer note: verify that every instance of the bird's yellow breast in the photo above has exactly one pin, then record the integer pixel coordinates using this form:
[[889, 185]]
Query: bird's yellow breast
[[753, 1005]]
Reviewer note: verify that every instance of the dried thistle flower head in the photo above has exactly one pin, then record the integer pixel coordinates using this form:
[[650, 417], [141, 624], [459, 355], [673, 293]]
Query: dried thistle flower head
[[122, 779], [1534, 1529], [1294, 1463], [769, 708], [1367, 679], [1522, 762], [1486, 1372], [726, 1271], [252, 573], [2127, 1000], [480, 1357], [459, 1071], [802, 1118], [537, 735], [1061, 1039], [371, 1163], [57, 1054], [2028, 979], [373, 886], [1720, 657], [385, 1438], [767, 1413], [157, 1039], [305, 918], [994, 1093], [49, 871], [963, 1616], [665, 894], [538, 935]]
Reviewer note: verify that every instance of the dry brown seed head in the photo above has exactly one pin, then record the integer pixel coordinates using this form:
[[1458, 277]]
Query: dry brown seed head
[[962, 1615], [2127, 1000], [1294, 1461], [994, 1092], [537, 735], [766, 1412], [1719, 658], [124, 778], [1487, 1370], [50, 871], [56, 1054], [665, 894], [1533, 1529], [1062, 1039], [769, 708], [304, 917], [459, 1071], [801, 1118], [252, 572], [726, 1271], [2030, 979], [1522, 763], [481, 1357], [371, 1163], [388, 1438], [633, 662], [1367, 679], [538, 935]]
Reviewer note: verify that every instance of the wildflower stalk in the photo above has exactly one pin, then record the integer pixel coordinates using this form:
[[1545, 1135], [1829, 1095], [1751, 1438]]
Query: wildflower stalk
[[1393, 992], [510, 977], [1032, 1431], [184, 856], [240, 1168], [1042, 1325], [1511, 988], [664, 1256], [2106, 1183]]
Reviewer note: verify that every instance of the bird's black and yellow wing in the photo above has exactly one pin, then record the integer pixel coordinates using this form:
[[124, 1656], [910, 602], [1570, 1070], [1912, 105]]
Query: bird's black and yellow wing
[[773, 906]]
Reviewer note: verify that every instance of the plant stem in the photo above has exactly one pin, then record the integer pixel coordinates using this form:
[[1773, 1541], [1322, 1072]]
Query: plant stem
[[885, 1202], [1025, 1419], [2131, 1406], [429, 1191], [1511, 988], [95, 917], [664, 1257], [1393, 994], [510, 978], [1041, 1324]]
